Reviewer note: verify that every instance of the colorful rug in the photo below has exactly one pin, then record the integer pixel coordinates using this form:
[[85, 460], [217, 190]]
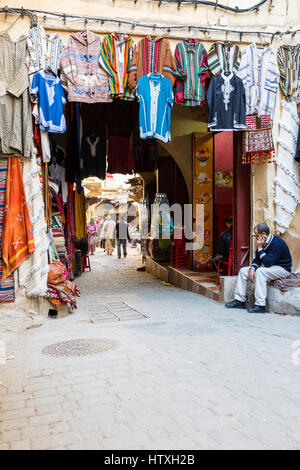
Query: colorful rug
[[17, 241], [7, 287]]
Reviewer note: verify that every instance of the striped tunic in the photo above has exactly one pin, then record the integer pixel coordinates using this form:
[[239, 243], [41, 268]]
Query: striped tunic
[[81, 72], [152, 56], [191, 62], [289, 67], [260, 74], [115, 58], [224, 57], [43, 50]]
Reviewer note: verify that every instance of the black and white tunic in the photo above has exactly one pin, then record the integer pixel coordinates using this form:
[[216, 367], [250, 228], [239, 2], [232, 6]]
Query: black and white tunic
[[227, 103]]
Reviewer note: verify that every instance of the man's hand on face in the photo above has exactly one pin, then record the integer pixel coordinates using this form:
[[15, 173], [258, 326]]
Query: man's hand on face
[[260, 241], [251, 275]]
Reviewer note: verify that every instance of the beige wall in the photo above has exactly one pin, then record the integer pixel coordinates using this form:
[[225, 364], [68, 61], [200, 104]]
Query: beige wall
[[285, 14]]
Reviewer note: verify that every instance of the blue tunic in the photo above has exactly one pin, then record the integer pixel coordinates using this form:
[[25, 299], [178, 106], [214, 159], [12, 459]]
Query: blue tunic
[[155, 95], [49, 92]]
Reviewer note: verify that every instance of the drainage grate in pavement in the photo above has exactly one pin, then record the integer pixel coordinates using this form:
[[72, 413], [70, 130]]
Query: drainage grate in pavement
[[114, 311], [78, 347]]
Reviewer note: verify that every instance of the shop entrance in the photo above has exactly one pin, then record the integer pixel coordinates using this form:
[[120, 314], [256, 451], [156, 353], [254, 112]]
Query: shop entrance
[[232, 196]]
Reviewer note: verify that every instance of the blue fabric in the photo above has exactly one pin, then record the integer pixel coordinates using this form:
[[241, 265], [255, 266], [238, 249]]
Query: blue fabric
[[275, 253], [159, 124], [49, 92]]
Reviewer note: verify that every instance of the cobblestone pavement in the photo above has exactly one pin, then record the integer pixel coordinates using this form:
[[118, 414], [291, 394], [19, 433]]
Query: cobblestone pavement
[[192, 375]]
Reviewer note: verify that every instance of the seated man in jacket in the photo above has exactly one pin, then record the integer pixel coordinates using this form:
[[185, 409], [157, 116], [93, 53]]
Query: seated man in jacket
[[272, 261]]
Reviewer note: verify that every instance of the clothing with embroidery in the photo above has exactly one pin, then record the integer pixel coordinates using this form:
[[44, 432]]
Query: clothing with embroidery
[[224, 57], [152, 56], [260, 74], [227, 103], [191, 61], [155, 95], [49, 92], [289, 67], [43, 50], [115, 58], [93, 156], [81, 73]]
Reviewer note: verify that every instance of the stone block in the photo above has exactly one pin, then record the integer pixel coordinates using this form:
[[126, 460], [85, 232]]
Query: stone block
[[227, 287], [285, 303]]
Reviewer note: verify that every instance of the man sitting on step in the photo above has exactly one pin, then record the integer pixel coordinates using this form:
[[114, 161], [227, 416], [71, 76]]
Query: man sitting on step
[[272, 261]]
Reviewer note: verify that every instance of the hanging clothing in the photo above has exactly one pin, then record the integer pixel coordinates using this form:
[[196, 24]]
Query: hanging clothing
[[59, 174], [152, 56], [72, 162], [297, 154], [15, 107], [81, 72], [43, 50], [260, 74], [7, 286], [224, 57], [47, 89], [17, 241], [155, 95], [119, 157], [33, 272], [191, 62], [115, 58], [93, 156], [94, 118], [70, 232], [287, 182], [289, 67], [227, 103], [80, 215], [145, 151]]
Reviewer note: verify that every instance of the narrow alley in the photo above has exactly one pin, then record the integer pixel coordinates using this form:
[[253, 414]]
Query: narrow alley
[[174, 371]]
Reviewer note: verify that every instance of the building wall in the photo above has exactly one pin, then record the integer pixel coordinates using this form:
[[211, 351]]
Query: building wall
[[283, 15]]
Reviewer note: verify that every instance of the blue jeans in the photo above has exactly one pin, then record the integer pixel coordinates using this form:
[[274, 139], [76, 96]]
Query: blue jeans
[[122, 243]]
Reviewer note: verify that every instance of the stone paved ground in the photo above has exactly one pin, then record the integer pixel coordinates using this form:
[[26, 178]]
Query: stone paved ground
[[191, 376]]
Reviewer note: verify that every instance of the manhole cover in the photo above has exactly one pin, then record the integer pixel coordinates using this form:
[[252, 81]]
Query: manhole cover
[[79, 347]]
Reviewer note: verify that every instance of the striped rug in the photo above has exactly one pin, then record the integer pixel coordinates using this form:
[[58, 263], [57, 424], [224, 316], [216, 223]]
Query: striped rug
[[7, 287]]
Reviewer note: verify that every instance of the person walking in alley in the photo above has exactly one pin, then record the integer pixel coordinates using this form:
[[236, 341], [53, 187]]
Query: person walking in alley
[[122, 235], [92, 233], [109, 231], [272, 261]]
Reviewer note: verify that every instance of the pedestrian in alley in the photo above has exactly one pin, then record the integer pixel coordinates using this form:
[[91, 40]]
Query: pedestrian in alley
[[272, 261], [122, 235], [109, 232], [92, 234]]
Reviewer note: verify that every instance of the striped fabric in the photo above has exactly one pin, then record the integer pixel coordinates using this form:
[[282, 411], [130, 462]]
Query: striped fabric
[[260, 75], [43, 50], [7, 287], [191, 61], [81, 72], [115, 58], [289, 67], [224, 57], [152, 56]]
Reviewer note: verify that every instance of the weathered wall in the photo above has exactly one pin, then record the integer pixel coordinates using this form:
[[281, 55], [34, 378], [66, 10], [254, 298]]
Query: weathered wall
[[285, 14]]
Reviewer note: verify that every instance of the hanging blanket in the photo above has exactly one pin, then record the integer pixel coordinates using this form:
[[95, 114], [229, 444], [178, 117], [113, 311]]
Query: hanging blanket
[[17, 240], [7, 286], [287, 181], [63, 293], [33, 271]]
